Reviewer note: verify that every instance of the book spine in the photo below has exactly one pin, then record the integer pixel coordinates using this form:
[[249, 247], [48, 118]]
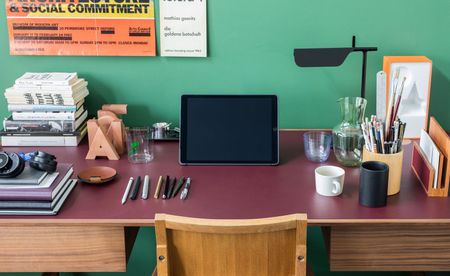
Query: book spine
[[40, 108], [39, 134], [37, 94], [43, 125], [43, 141], [25, 205], [43, 82], [53, 99], [43, 79], [50, 88], [17, 91], [38, 116], [21, 196], [47, 101]]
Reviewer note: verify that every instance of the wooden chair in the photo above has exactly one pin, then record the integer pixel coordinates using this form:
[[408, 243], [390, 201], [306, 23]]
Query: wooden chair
[[209, 247]]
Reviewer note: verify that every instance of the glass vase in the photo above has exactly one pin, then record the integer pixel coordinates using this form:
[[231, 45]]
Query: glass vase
[[348, 140]]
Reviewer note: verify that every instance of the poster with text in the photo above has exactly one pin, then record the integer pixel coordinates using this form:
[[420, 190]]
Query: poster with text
[[183, 28], [81, 27]]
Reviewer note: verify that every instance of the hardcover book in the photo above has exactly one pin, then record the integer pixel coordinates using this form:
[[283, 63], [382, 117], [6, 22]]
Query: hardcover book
[[52, 209], [29, 176], [35, 204], [45, 194]]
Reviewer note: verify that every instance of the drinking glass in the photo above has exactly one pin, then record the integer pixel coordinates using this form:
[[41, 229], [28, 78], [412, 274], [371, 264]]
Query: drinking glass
[[139, 145], [317, 145]]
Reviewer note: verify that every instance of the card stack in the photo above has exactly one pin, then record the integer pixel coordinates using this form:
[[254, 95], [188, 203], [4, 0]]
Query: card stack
[[36, 192], [47, 110]]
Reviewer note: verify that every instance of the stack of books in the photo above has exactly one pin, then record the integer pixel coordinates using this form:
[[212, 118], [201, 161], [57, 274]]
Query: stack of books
[[47, 110], [36, 192]]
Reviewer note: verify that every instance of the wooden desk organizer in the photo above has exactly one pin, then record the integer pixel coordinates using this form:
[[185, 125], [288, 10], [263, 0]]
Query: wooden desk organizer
[[424, 170], [107, 133]]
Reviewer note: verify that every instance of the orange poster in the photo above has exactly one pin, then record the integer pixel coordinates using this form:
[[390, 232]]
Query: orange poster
[[81, 27]]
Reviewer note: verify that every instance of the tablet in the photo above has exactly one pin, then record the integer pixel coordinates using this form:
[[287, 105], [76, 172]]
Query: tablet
[[229, 130]]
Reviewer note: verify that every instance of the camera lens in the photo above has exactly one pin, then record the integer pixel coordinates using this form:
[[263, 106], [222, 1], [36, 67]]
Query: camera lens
[[4, 160]]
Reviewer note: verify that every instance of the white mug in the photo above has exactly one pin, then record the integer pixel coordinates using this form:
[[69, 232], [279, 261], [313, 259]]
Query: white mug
[[329, 180]]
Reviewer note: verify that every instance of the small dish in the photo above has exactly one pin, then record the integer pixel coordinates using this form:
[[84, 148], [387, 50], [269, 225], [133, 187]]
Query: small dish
[[97, 175]]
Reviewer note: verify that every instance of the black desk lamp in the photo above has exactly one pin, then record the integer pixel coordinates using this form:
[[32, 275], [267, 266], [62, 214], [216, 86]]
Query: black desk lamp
[[326, 57]]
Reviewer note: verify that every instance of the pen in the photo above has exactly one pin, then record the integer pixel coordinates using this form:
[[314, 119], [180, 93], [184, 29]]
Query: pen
[[166, 187], [172, 186], [185, 191], [135, 190], [127, 190], [146, 187], [378, 135], [373, 136], [158, 187], [178, 187], [382, 138]]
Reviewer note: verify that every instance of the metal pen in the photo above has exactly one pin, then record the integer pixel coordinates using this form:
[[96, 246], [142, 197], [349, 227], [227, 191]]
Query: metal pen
[[185, 191], [146, 187], [127, 190]]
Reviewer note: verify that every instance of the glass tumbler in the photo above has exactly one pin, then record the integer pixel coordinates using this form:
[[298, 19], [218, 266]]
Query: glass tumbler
[[317, 145], [139, 145]]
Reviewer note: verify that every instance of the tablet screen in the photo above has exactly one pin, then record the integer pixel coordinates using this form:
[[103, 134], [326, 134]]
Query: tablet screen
[[229, 129]]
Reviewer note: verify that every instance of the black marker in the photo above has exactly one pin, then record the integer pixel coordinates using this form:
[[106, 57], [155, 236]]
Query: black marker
[[172, 186], [166, 187], [178, 187], [135, 189]]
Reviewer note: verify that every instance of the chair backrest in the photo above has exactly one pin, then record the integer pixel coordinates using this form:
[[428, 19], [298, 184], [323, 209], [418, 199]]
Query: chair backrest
[[209, 247]]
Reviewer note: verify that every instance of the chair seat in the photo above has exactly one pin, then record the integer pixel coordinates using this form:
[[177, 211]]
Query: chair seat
[[309, 271]]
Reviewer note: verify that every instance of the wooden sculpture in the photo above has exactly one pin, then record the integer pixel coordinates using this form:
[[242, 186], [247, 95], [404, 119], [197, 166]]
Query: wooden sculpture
[[107, 133]]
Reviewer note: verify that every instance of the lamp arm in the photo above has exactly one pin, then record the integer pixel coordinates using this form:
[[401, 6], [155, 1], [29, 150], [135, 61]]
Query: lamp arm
[[364, 50], [363, 78]]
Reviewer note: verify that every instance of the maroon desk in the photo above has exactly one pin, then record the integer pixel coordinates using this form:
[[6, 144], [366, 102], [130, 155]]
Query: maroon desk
[[411, 233]]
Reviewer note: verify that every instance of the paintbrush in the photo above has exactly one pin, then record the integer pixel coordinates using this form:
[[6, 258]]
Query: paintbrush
[[391, 102], [399, 98]]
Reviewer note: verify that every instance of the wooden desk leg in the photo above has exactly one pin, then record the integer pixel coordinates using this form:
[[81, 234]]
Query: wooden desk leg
[[130, 237]]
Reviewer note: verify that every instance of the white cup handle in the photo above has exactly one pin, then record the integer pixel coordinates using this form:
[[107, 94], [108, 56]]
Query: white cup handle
[[337, 187]]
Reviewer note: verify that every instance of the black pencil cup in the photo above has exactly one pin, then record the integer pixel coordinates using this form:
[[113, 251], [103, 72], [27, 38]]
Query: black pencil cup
[[373, 184]]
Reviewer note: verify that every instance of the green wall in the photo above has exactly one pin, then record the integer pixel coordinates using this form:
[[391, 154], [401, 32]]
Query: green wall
[[251, 44], [250, 51]]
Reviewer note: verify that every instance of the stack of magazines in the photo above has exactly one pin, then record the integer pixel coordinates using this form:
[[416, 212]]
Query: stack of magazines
[[47, 110], [36, 192]]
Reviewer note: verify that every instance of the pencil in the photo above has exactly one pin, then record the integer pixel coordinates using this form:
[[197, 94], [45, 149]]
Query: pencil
[[158, 187]]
